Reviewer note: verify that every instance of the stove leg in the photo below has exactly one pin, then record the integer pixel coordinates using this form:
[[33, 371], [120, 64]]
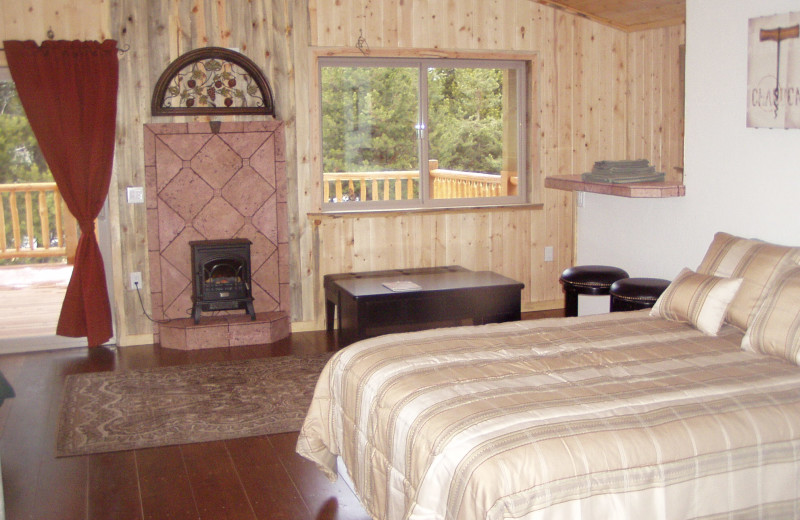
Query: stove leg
[[196, 313], [251, 311]]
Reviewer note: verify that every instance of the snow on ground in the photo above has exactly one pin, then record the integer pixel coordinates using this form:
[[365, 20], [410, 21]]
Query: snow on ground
[[19, 277]]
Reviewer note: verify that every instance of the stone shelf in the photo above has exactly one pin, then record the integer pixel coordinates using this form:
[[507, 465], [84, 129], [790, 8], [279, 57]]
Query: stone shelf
[[652, 190]]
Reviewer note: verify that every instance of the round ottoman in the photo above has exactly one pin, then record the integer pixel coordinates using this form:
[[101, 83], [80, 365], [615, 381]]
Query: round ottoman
[[633, 294], [587, 279]]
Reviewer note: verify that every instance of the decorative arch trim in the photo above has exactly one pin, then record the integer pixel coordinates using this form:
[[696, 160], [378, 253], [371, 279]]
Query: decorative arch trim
[[209, 81]]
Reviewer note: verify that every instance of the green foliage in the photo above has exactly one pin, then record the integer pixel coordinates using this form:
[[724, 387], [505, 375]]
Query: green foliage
[[370, 117], [465, 119], [21, 161]]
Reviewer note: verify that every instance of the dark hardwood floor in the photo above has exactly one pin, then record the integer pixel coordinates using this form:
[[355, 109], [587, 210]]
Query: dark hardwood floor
[[249, 478]]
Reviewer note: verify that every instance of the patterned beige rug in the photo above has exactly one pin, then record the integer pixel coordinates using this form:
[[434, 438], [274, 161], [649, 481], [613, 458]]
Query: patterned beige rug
[[113, 411]]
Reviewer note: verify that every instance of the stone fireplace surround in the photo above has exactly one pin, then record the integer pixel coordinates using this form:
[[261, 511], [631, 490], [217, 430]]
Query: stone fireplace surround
[[209, 181]]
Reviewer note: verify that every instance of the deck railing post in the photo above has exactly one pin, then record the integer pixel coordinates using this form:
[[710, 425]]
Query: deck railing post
[[37, 241], [70, 234]]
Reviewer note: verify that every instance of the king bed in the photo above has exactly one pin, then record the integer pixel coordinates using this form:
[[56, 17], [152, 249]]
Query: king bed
[[690, 410]]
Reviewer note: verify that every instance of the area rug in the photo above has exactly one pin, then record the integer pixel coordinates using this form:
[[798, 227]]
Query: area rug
[[114, 411]]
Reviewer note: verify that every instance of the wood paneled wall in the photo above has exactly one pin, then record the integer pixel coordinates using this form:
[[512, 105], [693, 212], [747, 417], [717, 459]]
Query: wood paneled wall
[[655, 99], [68, 19], [599, 93]]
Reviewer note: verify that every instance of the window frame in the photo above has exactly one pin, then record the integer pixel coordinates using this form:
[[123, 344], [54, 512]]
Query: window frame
[[524, 85]]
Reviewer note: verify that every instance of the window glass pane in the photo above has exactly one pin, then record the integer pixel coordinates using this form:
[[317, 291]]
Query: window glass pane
[[370, 150], [472, 132]]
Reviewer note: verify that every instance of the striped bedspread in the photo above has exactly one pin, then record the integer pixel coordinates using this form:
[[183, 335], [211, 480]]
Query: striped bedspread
[[613, 416]]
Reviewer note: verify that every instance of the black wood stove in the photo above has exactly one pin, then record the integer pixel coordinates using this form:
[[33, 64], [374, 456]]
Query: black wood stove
[[221, 276]]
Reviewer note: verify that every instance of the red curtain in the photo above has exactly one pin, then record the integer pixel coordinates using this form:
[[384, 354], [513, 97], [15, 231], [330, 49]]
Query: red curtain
[[69, 92]]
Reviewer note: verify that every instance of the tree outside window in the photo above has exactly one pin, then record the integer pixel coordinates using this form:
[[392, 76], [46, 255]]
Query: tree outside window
[[22, 162], [417, 133]]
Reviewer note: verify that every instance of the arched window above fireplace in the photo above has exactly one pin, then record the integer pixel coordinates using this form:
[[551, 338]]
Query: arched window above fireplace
[[212, 80]]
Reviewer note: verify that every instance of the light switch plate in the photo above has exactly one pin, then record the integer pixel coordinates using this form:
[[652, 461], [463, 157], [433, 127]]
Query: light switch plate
[[135, 195]]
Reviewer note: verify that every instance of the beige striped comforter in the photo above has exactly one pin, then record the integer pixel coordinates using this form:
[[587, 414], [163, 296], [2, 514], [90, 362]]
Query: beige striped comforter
[[613, 416]]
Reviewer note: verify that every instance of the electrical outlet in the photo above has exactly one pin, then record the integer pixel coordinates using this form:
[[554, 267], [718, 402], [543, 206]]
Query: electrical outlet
[[136, 281], [548, 254]]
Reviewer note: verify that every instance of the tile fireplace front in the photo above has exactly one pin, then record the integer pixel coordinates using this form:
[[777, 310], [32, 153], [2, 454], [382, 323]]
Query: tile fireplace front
[[211, 183]]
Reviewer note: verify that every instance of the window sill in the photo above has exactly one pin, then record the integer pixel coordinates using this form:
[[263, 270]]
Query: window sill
[[647, 190], [318, 216]]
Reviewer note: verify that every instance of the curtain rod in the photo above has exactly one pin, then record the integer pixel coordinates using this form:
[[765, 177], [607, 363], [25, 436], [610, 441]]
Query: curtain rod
[[50, 35], [122, 50]]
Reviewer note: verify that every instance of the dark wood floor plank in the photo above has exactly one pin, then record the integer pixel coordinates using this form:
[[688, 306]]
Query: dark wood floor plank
[[217, 489], [326, 500], [113, 483], [63, 482], [269, 488], [31, 474], [61, 490], [164, 485], [259, 477]]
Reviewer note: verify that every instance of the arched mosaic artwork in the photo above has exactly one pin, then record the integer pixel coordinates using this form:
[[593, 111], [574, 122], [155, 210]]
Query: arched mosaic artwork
[[212, 80]]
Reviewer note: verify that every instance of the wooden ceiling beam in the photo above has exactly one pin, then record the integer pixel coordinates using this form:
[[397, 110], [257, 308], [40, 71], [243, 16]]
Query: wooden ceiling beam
[[626, 15]]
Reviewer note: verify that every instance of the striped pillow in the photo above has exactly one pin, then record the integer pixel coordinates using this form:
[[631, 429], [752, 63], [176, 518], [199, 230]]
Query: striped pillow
[[776, 326], [759, 263], [699, 299]]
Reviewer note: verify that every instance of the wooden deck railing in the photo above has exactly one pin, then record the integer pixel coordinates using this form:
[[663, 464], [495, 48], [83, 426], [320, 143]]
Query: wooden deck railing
[[403, 185], [391, 185], [55, 233]]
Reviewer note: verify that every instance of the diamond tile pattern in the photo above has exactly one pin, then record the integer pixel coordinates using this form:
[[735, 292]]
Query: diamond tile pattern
[[216, 162], [187, 193], [218, 220], [247, 191], [203, 185]]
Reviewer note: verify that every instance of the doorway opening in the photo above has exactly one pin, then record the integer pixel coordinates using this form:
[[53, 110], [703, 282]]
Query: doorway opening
[[38, 236]]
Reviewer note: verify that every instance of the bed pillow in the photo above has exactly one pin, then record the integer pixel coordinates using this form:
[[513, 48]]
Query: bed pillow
[[698, 299], [758, 263], [775, 329]]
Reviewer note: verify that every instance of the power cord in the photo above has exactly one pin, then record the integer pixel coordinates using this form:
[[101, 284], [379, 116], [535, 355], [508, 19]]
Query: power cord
[[167, 323]]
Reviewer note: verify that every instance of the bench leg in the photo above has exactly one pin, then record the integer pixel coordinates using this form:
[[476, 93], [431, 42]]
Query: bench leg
[[330, 308]]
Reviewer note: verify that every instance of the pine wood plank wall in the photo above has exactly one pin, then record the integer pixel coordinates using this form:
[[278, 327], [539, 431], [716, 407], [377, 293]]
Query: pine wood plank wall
[[68, 19], [600, 93]]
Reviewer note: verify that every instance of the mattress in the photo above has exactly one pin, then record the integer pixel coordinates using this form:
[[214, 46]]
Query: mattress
[[613, 416]]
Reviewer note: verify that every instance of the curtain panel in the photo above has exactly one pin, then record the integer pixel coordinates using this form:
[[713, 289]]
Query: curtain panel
[[69, 92]]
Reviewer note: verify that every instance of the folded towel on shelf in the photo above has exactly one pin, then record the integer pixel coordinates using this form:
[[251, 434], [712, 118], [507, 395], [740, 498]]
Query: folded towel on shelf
[[631, 164], [620, 172], [621, 179]]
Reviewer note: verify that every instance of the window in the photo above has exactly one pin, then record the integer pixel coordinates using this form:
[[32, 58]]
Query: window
[[415, 133]]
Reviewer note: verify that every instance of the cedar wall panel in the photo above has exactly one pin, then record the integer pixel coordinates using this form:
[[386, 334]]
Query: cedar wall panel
[[655, 100], [599, 93], [69, 20]]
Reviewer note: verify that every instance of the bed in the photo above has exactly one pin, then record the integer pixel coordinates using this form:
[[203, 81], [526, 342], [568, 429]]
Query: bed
[[691, 410]]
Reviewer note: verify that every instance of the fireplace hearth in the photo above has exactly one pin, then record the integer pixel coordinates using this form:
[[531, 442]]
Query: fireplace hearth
[[221, 276]]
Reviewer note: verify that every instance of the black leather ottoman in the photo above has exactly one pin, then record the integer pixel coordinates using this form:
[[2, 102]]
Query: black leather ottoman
[[633, 294], [587, 279]]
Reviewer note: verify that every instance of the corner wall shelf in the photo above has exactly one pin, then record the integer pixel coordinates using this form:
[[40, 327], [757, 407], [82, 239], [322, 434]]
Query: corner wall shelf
[[651, 190]]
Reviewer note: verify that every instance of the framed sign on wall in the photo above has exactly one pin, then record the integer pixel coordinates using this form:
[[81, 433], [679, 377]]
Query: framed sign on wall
[[773, 71]]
